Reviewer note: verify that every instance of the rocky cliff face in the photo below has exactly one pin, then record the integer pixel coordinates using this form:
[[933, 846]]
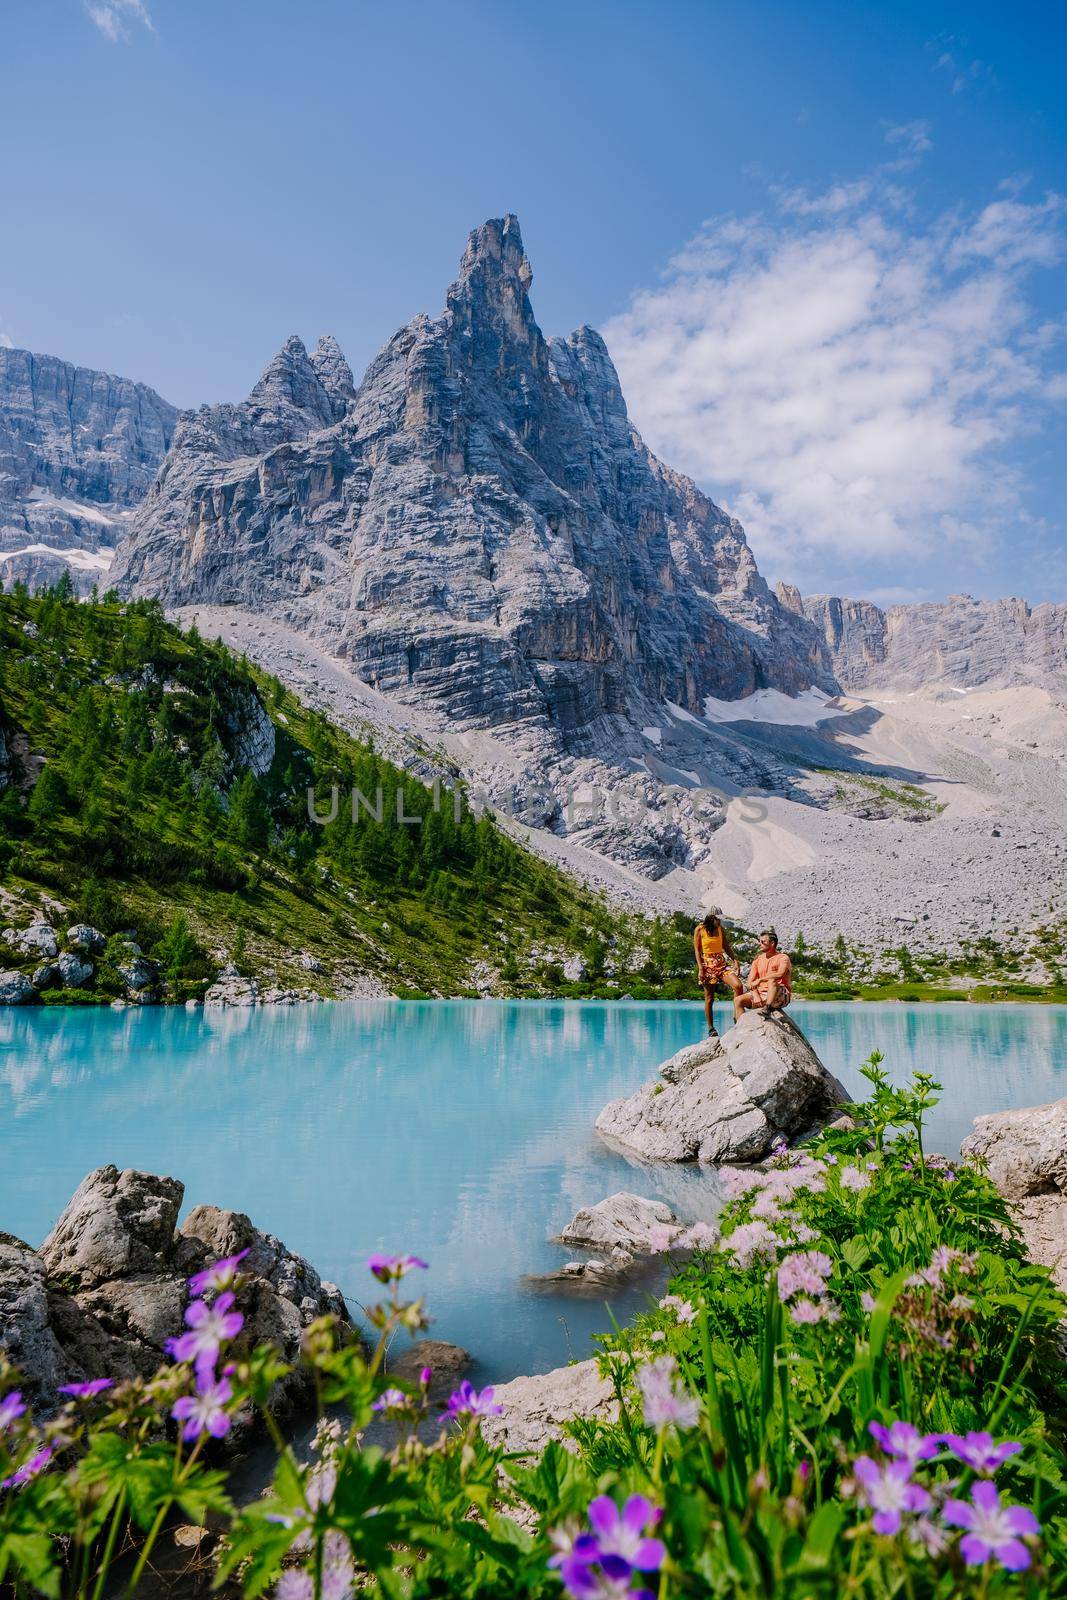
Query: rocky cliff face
[[78, 450], [960, 641], [478, 528]]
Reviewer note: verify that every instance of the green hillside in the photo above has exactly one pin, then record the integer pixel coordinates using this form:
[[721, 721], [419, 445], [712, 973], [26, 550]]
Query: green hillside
[[139, 791]]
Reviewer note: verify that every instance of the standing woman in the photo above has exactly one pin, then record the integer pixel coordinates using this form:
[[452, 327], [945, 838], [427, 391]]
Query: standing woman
[[716, 962]]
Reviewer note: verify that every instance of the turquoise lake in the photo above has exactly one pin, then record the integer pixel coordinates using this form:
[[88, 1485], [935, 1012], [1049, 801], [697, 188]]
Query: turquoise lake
[[459, 1130]]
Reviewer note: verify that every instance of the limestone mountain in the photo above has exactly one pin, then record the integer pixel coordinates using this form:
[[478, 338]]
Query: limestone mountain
[[78, 450], [478, 529], [960, 642]]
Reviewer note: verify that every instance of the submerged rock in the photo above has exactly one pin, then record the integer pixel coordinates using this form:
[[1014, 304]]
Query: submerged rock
[[109, 1285], [1026, 1153], [728, 1100], [447, 1364]]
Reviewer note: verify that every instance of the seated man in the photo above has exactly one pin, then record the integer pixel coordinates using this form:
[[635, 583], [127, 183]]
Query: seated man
[[770, 979]]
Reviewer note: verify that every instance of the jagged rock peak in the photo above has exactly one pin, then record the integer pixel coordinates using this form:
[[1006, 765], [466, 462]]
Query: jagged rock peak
[[489, 301], [292, 380], [334, 373]]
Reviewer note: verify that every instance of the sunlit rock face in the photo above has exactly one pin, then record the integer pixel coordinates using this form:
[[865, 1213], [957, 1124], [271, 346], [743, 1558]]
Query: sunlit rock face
[[78, 450], [478, 527], [962, 642]]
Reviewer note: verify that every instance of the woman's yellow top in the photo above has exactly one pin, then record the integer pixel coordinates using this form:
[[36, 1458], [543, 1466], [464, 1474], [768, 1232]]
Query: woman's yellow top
[[711, 946]]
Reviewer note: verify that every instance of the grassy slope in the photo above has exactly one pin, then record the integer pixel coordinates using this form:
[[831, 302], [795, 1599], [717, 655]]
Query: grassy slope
[[125, 801]]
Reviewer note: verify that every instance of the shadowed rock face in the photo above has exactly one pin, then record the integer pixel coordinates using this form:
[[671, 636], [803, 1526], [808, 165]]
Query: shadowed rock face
[[78, 450], [479, 528], [1026, 1152], [958, 641]]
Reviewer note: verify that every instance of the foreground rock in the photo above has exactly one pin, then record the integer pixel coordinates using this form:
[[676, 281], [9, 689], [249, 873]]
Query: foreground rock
[[535, 1409], [728, 1100], [1026, 1152], [109, 1285]]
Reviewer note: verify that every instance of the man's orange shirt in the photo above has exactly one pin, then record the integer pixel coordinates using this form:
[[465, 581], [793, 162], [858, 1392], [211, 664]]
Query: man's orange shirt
[[779, 967]]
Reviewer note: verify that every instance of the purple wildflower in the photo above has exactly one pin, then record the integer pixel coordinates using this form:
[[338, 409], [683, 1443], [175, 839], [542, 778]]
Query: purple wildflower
[[425, 1377], [390, 1400], [575, 1559], [665, 1403], [888, 1491], [219, 1276], [751, 1242], [388, 1268], [88, 1390], [992, 1529], [660, 1237], [978, 1451], [620, 1535], [903, 1440], [466, 1401], [854, 1178], [29, 1469], [11, 1406], [209, 1328], [205, 1411], [294, 1584]]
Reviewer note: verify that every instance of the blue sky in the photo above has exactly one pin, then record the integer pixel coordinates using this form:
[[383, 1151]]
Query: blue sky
[[824, 241]]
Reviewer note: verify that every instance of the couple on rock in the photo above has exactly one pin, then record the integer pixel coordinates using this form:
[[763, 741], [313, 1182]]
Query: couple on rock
[[770, 977]]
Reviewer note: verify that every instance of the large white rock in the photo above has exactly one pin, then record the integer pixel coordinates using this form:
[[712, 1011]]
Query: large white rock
[[535, 1409], [728, 1099], [1026, 1153], [622, 1220]]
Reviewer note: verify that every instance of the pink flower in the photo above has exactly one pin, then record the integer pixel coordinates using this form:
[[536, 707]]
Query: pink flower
[[294, 1584], [752, 1241], [805, 1271], [666, 1403], [854, 1178], [210, 1326], [219, 1276], [993, 1530], [661, 1237], [204, 1411]]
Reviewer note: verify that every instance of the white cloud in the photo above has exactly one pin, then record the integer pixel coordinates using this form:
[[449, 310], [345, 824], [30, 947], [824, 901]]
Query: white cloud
[[113, 17], [846, 380], [912, 138], [6, 341]]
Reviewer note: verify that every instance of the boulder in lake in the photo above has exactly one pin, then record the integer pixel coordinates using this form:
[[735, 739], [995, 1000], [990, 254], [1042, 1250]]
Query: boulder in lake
[[1026, 1154], [15, 987], [624, 1221], [109, 1285], [730, 1099], [447, 1364]]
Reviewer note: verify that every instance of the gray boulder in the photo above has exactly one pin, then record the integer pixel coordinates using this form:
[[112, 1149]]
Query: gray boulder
[[727, 1100], [535, 1409], [117, 1224], [44, 975], [39, 939], [71, 972], [109, 1285], [136, 971], [447, 1364], [15, 987], [623, 1221], [1026, 1154], [85, 938]]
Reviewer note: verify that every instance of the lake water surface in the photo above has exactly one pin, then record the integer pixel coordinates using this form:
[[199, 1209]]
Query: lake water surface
[[459, 1130]]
